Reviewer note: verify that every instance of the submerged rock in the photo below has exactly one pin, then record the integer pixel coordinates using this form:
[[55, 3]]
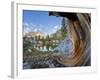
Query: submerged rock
[[26, 65], [36, 64]]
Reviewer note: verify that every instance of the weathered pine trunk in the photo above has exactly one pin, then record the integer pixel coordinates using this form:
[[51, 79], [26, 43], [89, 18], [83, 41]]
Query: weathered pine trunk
[[80, 31]]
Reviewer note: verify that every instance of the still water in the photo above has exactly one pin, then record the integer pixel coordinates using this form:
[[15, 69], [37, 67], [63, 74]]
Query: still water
[[45, 47]]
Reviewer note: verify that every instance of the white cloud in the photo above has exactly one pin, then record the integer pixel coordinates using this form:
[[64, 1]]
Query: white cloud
[[27, 27], [35, 30], [26, 24], [30, 27], [56, 27], [31, 24], [39, 29], [26, 30]]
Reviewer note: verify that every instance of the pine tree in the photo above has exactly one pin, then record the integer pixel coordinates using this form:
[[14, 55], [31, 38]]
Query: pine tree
[[63, 29]]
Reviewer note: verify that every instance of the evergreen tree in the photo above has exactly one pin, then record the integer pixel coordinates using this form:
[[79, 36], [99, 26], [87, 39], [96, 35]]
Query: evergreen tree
[[63, 29], [47, 38]]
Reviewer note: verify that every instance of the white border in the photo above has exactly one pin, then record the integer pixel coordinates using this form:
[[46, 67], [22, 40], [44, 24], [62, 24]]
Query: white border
[[17, 70]]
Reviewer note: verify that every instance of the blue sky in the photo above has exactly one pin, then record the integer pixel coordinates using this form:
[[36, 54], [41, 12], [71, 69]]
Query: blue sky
[[40, 21]]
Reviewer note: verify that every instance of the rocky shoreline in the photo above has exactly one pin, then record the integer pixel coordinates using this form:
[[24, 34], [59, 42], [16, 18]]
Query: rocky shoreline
[[41, 63]]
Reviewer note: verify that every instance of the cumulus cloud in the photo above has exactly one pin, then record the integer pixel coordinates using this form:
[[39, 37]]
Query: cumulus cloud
[[27, 27], [55, 28], [25, 24], [31, 24], [30, 27], [35, 30]]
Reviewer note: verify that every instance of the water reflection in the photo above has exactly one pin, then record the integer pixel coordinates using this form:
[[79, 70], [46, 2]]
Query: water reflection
[[45, 47]]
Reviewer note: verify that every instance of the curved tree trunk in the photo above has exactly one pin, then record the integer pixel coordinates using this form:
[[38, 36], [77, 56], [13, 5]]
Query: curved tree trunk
[[80, 31]]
